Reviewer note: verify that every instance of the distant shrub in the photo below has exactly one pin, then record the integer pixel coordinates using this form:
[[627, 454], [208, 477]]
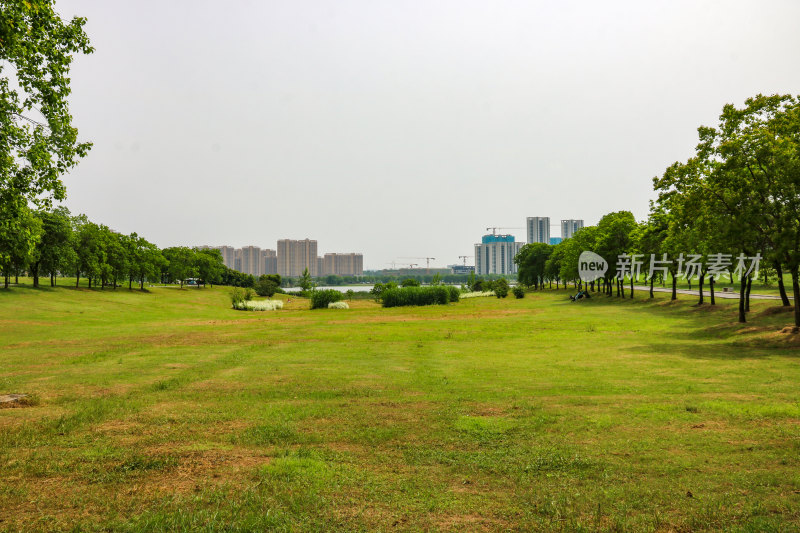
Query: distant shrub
[[338, 305], [267, 287], [500, 288], [455, 293], [476, 294], [378, 288], [349, 293], [410, 282], [240, 295], [320, 299], [259, 305], [404, 296], [518, 291]]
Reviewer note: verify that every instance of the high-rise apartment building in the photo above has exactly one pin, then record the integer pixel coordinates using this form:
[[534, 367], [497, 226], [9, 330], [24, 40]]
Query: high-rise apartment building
[[569, 227], [296, 256], [350, 264], [270, 261], [228, 255], [495, 255], [538, 229], [252, 260]]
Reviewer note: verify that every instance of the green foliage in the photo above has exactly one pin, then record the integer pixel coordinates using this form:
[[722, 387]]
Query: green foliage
[[500, 288], [209, 265], [305, 282], [266, 287], [240, 295], [180, 263], [409, 282], [321, 298], [20, 231], [455, 293], [36, 50], [518, 291], [404, 296], [531, 261]]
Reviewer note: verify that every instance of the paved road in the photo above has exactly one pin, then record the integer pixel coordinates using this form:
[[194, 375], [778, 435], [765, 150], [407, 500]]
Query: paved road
[[717, 293]]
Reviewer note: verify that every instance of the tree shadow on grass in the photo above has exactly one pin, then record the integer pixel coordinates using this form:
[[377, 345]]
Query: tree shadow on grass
[[716, 329]]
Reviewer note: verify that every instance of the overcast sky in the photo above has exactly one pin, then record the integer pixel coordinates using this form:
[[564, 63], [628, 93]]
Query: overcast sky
[[401, 128]]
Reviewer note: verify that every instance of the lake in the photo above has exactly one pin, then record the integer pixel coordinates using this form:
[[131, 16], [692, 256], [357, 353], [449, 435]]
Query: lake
[[340, 288]]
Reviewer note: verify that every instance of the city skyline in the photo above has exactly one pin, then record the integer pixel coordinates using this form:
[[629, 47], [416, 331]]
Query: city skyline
[[289, 259]]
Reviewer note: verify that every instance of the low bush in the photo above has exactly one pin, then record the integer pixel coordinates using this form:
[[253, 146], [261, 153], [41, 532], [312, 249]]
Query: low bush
[[477, 294], [455, 293], [239, 296], [267, 287], [338, 305], [404, 296], [321, 299], [500, 288], [259, 305], [518, 291]]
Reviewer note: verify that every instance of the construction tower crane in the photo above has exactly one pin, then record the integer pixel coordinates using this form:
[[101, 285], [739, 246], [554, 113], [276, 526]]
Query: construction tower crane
[[427, 262], [465, 257], [495, 228]]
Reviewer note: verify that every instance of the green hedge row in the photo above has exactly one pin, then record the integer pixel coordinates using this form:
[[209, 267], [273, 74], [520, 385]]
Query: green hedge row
[[435, 295], [321, 299]]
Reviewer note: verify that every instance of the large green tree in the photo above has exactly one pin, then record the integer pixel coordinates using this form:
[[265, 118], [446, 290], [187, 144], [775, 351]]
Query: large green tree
[[531, 261], [54, 253], [39, 143]]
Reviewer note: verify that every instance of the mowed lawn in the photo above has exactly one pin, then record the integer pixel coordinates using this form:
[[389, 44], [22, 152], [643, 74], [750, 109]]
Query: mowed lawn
[[167, 410]]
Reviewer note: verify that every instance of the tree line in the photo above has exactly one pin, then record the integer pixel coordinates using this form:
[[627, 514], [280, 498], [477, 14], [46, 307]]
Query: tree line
[[737, 197], [52, 242]]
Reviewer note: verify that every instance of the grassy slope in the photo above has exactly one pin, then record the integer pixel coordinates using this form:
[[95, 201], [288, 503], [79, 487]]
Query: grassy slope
[[168, 410]]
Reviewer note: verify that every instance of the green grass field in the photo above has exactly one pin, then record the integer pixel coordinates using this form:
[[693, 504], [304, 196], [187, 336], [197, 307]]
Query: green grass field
[[167, 410]]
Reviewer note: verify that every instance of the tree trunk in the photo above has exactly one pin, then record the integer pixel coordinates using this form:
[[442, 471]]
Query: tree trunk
[[711, 290], [77, 278], [35, 272], [622, 287], [141, 283], [742, 317], [796, 294], [52, 279], [652, 279], [781, 286], [631, 287], [747, 296], [700, 287], [674, 287], [6, 280]]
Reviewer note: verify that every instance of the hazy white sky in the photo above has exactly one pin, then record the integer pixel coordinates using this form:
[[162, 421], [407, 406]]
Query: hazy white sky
[[401, 128]]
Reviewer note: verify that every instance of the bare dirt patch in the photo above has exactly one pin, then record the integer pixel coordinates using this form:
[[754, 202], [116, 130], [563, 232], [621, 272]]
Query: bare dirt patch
[[10, 401]]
